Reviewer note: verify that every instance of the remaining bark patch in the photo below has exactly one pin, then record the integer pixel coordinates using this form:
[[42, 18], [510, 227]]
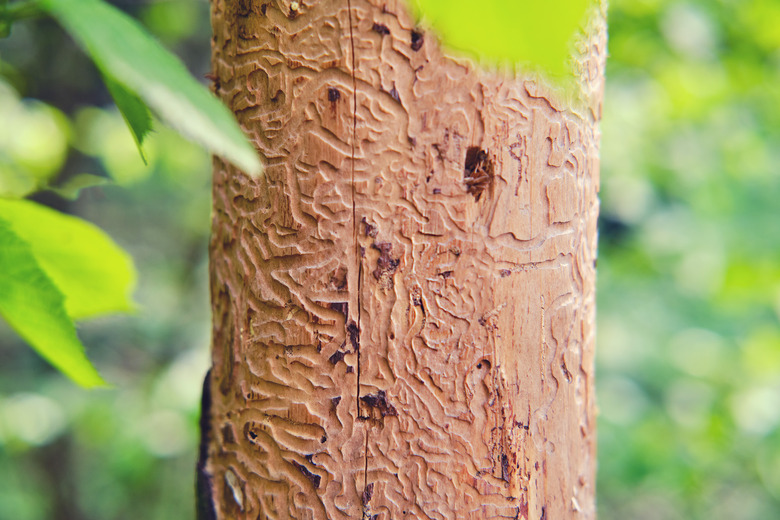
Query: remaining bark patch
[[381, 29], [342, 307], [416, 293], [339, 279], [228, 437], [504, 467], [385, 265], [244, 8], [336, 357], [354, 335], [367, 493], [477, 171], [394, 94], [379, 402], [371, 230]]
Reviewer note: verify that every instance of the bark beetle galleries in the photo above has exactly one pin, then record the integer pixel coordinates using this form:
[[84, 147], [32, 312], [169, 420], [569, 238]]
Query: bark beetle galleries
[[403, 308]]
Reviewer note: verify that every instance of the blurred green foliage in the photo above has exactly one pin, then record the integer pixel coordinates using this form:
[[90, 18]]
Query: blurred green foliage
[[128, 451], [689, 262], [689, 274], [142, 75], [56, 268]]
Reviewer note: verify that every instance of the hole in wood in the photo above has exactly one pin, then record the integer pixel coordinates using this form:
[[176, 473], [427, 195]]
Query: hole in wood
[[477, 171]]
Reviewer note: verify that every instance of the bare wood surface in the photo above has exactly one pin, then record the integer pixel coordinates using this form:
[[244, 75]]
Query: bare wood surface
[[404, 307]]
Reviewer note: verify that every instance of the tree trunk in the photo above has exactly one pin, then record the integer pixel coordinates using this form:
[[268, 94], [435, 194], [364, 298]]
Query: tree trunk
[[404, 305]]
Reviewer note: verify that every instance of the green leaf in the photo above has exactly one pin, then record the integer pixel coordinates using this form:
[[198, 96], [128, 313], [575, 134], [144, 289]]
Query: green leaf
[[71, 188], [122, 49], [34, 308], [15, 182], [134, 111], [94, 274], [537, 33]]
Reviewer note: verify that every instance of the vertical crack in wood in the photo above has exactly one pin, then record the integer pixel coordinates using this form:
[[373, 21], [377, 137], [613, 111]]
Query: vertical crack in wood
[[355, 232], [354, 208]]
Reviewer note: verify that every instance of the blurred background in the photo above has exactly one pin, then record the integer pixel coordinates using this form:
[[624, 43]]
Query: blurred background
[[688, 288]]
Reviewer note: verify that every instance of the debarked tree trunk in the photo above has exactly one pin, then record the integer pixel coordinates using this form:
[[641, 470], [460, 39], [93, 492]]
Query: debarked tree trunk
[[404, 305]]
